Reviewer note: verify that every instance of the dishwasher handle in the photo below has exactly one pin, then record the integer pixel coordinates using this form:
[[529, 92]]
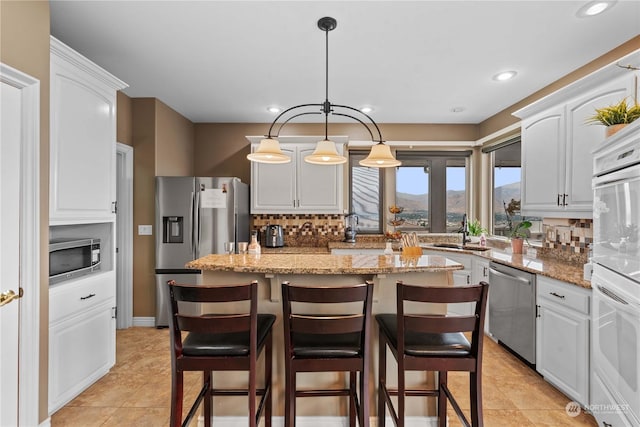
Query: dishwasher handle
[[509, 276]]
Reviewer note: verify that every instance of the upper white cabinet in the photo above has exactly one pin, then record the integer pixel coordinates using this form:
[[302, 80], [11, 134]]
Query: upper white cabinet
[[82, 139], [557, 142], [296, 187]]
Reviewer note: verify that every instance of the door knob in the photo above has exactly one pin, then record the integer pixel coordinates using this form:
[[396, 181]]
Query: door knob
[[7, 297]]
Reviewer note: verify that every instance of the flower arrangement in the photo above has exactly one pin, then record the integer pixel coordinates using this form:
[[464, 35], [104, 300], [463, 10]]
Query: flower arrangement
[[516, 230]]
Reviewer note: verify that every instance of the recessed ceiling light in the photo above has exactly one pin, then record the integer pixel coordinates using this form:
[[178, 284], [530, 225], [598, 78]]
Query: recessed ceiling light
[[366, 110], [457, 109], [594, 8], [274, 110], [504, 75]]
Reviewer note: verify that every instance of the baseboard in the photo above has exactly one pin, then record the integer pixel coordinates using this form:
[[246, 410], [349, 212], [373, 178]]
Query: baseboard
[[318, 421], [149, 322]]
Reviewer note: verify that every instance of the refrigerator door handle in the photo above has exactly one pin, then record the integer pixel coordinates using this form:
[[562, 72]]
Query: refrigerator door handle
[[193, 210], [197, 228]]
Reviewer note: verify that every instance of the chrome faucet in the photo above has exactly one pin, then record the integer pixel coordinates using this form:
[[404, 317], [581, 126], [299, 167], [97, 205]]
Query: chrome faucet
[[465, 230]]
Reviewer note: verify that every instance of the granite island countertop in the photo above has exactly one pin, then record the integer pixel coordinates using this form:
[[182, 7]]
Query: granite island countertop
[[323, 263]]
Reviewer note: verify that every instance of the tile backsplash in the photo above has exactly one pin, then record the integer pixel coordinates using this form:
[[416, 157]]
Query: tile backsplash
[[303, 230], [567, 238]]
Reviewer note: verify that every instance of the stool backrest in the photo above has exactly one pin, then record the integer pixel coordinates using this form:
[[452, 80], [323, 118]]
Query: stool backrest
[[320, 323], [430, 323], [213, 323]]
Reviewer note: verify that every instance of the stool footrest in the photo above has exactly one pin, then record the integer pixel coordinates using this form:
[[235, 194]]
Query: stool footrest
[[414, 392], [235, 392], [322, 393]]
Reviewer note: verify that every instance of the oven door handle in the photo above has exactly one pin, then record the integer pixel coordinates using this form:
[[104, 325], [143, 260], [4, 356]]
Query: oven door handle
[[611, 295]]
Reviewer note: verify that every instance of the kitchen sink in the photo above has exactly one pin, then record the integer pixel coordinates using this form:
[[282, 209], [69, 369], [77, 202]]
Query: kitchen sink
[[457, 246]]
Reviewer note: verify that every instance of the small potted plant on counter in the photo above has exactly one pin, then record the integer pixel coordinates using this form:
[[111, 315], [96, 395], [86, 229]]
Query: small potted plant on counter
[[517, 230], [476, 230], [616, 116]]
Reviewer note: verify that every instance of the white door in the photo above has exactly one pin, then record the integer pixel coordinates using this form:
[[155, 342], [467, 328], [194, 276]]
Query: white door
[[10, 143]]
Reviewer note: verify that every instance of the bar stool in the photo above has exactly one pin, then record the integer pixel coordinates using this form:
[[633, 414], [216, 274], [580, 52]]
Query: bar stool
[[328, 343], [421, 342], [219, 342]]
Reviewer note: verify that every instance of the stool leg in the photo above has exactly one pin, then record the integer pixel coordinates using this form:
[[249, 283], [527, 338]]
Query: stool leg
[[267, 379], [289, 396], [364, 395], [252, 390], [382, 378], [475, 382], [442, 399], [352, 399], [208, 398], [177, 388], [401, 390]]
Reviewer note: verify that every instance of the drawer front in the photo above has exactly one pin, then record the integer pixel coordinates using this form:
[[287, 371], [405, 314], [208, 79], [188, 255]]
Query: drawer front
[[563, 294], [75, 296]]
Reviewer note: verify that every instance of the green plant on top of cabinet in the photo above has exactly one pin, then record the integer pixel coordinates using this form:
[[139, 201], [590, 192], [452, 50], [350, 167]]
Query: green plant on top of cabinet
[[83, 139], [557, 164], [297, 187]]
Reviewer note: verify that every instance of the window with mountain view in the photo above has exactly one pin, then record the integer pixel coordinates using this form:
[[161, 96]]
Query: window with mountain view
[[506, 187], [432, 190]]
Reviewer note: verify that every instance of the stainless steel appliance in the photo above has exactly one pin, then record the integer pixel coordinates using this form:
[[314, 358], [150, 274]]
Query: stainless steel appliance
[[512, 309], [195, 216], [274, 236], [350, 227], [71, 258], [615, 340]]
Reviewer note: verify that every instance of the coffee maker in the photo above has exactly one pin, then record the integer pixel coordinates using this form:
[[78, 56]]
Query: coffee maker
[[350, 225]]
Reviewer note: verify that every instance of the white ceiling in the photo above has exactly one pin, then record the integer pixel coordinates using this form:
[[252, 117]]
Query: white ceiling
[[412, 61]]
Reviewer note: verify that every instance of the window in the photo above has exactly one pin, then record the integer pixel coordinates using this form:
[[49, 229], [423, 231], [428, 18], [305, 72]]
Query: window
[[366, 194], [506, 187], [432, 189]]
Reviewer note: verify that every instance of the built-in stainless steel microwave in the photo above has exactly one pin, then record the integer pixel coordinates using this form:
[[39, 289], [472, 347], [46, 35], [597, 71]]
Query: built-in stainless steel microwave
[[70, 258]]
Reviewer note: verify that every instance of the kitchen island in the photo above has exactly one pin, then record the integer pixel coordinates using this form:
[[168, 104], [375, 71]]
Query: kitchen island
[[270, 270]]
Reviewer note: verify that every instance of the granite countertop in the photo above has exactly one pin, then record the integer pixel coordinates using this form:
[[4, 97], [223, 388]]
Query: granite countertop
[[320, 263], [549, 267]]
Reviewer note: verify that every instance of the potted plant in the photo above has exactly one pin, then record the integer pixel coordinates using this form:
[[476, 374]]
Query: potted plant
[[517, 230], [476, 230], [615, 116]]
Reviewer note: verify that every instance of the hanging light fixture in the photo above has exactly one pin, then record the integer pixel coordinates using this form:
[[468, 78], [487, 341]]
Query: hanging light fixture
[[325, 153]]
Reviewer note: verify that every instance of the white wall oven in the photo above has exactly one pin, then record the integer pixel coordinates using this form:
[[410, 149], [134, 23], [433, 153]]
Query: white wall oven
[[615, 338]]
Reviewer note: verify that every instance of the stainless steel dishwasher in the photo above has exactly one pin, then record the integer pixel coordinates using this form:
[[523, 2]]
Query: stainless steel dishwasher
[[512, 309]]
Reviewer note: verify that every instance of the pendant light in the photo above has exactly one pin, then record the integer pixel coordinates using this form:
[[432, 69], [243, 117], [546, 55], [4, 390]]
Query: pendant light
[[325, 152]]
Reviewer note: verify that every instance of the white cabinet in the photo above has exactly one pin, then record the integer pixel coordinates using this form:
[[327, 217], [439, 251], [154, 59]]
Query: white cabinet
[[562, 337], [81, 335], [557, 163], [297, 187], [82, 139], [480, 273], [460, 278]]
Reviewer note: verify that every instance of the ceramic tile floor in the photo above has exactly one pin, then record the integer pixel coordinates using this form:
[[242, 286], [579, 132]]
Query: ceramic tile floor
[[136, 392]]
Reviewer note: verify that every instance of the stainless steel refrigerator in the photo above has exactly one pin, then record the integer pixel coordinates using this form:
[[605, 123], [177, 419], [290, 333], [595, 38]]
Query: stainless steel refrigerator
[[195, 216]]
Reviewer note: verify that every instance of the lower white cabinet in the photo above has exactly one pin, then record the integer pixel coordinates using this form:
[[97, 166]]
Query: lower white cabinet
[[480, 273], [82, 340], [562, 337]]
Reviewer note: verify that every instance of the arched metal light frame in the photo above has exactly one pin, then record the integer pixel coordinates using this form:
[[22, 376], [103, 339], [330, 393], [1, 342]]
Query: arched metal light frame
[[325, 153]]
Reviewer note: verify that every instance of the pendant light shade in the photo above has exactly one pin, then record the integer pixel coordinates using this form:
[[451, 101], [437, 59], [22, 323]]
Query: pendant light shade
[[325, 154], [269, 152], [380, 157]]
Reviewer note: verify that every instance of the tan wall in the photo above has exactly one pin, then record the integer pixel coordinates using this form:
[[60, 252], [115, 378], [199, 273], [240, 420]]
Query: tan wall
[[504, 118], [162, 141], [221, 148], [24, 45], [144, 137], [174, 142], [124, 132]]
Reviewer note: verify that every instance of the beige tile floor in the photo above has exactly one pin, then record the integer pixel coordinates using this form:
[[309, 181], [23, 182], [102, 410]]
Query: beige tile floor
[[136, 392]]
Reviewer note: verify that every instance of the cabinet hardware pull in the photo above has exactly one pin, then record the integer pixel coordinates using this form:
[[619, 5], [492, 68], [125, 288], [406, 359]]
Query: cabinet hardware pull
[[537, 310], [556, 295], [88, 296], [468, 279], [114, 207], [564, 199], [484, 271], [558, 202]]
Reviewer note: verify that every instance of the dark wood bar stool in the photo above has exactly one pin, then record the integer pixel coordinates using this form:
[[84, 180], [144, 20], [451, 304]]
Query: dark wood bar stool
[[422, 342], [328, 343], [219, 342]]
